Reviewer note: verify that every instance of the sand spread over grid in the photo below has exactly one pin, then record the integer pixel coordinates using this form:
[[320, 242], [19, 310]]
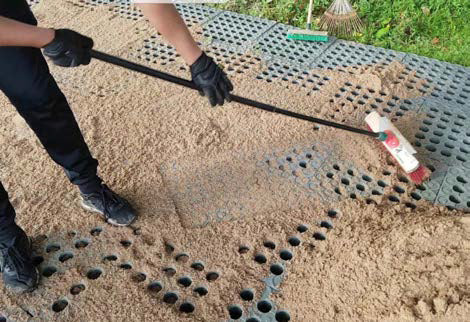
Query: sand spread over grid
[[147, 134]]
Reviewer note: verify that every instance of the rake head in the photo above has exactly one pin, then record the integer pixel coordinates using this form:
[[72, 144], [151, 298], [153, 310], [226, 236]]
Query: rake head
[[341, 19]]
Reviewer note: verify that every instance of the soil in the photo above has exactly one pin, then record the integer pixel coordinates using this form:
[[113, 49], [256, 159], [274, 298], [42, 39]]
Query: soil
[[182, 163]]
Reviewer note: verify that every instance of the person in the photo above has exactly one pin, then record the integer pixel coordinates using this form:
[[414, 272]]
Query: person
[[26, 81]]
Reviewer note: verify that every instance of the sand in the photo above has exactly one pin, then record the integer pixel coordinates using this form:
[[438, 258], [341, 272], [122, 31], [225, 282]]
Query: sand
[[181, 163]]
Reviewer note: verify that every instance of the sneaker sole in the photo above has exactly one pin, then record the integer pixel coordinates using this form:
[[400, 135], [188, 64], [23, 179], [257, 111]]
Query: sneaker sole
[[111, 222]]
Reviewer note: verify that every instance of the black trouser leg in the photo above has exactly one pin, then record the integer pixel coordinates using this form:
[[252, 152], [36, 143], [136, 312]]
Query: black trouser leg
[[7, 216], [26, 81], [38, 99]]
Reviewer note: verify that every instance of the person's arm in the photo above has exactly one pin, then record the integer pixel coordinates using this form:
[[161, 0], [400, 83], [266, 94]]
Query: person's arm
[[15, 33], [206, 74], [166, 19], [64, 47]]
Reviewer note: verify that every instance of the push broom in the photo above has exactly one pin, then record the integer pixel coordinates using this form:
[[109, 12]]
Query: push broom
[[380, 127], [308, 34]]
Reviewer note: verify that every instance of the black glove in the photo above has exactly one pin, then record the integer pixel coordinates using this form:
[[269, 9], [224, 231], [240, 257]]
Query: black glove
[[211, 79], [69, 48]]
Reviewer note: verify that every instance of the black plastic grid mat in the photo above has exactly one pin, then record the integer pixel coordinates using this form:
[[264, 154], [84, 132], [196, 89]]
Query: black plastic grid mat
[[232, 61], [346, 54], [310, 80], [357, 96], [55, 254], [154, 51], [316, 169], [196, 13], [446, 81], [455, 188], [444, 133], [235, 30]]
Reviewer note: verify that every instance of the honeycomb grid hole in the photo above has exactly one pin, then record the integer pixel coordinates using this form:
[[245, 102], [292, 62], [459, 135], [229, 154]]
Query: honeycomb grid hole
[[60, 305], [302, 228], [138, 277], [169, 271], [276, 269], [48, 271], [326, 224], [235, 312], [182, 257], [94, 273], [110, 258], [65, 256], [82, 243], [185, 281], [282, 316], [243, 249], [285, 255], [247, 294], [212, 276], [260, 258], [51, 248], [269, 244], [293, 241], [264, 306], [253, 319], [170, 297], [155, 287], [198, 266], [187, 307], [96, 231], [77, 289], [126, 243], [201, 290]]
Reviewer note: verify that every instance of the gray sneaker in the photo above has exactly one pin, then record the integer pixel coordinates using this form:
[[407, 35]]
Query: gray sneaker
[[116, 210], [19, 273]]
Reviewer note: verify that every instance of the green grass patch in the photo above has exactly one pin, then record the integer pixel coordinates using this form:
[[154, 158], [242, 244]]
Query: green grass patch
[[434, 28]]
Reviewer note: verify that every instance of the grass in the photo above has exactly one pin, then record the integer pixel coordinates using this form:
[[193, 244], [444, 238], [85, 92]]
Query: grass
[[434, 28]]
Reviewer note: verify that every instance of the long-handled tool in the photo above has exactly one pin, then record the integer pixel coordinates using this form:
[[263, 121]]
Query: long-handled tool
[[308, 34], [341, 19], [382, 129]]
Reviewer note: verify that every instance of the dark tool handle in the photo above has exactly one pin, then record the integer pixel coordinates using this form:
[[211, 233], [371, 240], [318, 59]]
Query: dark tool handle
[[181, 81]]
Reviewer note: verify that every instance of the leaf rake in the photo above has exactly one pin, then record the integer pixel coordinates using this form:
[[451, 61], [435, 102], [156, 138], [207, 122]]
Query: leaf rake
[[341, 19]]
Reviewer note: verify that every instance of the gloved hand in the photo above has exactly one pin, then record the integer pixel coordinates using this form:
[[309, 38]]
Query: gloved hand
[[211, 79], [69, 48]]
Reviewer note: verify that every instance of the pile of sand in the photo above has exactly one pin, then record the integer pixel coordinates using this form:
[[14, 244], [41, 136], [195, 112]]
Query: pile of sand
[[377, 262]]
